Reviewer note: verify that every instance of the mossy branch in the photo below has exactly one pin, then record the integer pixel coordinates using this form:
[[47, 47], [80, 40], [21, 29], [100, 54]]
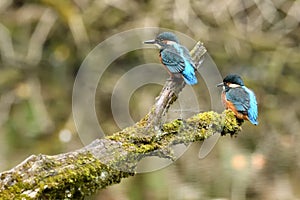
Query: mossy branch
[[106, 161]]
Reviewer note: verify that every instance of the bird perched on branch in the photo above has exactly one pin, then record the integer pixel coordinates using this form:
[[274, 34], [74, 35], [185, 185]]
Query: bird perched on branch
[[238, 98], [175, 57]]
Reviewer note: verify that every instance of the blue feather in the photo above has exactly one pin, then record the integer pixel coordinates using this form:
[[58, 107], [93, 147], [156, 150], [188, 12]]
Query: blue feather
[[189, 70], [189, 74], [253, 110]]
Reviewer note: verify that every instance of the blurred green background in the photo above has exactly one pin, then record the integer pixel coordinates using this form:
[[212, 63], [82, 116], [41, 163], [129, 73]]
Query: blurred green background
[[43, 43]]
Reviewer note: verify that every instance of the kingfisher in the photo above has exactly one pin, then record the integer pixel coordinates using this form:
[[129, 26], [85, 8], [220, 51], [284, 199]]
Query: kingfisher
[[175, 57], [238, 98]]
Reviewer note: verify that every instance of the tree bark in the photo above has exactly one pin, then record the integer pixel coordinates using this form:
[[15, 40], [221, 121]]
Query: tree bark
[[75, 175]]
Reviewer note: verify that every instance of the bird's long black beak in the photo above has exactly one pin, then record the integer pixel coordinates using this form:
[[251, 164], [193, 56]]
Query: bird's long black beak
[[150, 42], [220, 85]]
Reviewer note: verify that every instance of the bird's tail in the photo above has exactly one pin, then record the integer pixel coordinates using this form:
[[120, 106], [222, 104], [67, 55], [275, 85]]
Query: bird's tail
[[191, 80], [190, 76], [253, 121]]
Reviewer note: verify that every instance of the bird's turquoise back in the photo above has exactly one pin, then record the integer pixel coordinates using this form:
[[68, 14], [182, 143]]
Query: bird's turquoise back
[[253, 109], [189, 69]]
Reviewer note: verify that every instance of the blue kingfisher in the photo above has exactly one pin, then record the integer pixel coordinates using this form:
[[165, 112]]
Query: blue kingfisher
[[238, 98], [175, 57]]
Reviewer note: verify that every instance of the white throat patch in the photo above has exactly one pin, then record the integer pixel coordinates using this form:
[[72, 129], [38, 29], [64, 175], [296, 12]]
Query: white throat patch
[[233, 85], [171, 42], [157, 45]]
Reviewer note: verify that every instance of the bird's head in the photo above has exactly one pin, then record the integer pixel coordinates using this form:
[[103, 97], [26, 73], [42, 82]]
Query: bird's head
[[164, 39], [232, 80]]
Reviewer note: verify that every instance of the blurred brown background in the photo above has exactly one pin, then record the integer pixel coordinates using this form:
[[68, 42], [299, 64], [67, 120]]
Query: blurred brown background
[[43, 43]]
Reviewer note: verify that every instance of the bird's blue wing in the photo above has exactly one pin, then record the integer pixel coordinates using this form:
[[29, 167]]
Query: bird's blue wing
[[178, 60], [240, 99], [187, 56], [189, 70], [172, 60], [253, 109]]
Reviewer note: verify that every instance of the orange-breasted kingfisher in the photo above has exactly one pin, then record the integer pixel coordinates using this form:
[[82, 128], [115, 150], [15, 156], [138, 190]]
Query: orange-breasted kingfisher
[[238, 98], [175, 57]]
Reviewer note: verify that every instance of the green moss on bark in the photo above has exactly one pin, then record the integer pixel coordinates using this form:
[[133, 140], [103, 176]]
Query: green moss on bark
[[75, 178], [79, 174]]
